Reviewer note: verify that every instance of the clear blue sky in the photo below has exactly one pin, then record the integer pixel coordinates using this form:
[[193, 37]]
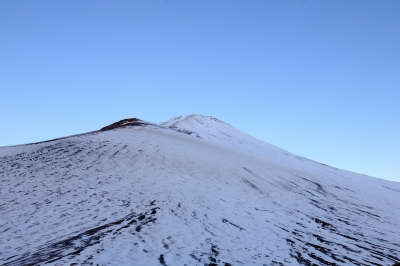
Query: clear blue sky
[[320, 79]]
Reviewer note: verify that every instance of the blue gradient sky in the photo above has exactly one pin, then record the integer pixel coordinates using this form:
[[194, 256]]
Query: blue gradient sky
[[318, 78]]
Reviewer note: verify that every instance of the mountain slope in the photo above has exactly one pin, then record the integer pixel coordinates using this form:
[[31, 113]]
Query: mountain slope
[[190, 191]]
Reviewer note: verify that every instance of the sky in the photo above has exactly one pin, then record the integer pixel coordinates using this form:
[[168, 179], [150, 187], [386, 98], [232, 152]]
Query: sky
[[320, 79]]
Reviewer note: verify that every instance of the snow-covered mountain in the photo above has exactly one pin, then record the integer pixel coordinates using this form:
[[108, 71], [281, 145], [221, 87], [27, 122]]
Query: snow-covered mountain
[[191, 191]]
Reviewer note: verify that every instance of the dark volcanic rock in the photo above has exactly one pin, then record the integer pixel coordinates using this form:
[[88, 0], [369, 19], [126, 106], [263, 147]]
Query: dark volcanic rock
[[123, 122]]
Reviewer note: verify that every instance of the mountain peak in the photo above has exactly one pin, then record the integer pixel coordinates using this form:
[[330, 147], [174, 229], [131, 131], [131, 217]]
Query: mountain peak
[[207, 121], [148, 194], [211, 128], [206, 127]]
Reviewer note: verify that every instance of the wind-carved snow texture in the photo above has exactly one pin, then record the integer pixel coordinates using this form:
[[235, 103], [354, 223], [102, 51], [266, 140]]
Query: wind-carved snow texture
[[156, 195]]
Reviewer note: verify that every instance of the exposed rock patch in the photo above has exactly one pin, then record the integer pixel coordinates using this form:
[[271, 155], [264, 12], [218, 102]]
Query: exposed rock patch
[[122, 123]]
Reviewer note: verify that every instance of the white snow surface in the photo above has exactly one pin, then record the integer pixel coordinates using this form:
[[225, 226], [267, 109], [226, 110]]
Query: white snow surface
[[191, 191]]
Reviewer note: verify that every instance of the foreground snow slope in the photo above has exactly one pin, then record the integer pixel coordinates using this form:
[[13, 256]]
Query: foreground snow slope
[[190, 191]]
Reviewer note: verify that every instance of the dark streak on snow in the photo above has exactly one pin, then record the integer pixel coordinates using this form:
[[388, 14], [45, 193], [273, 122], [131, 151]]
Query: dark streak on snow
[[76, 244], [226, 221], [304, 257], [247, 182]]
